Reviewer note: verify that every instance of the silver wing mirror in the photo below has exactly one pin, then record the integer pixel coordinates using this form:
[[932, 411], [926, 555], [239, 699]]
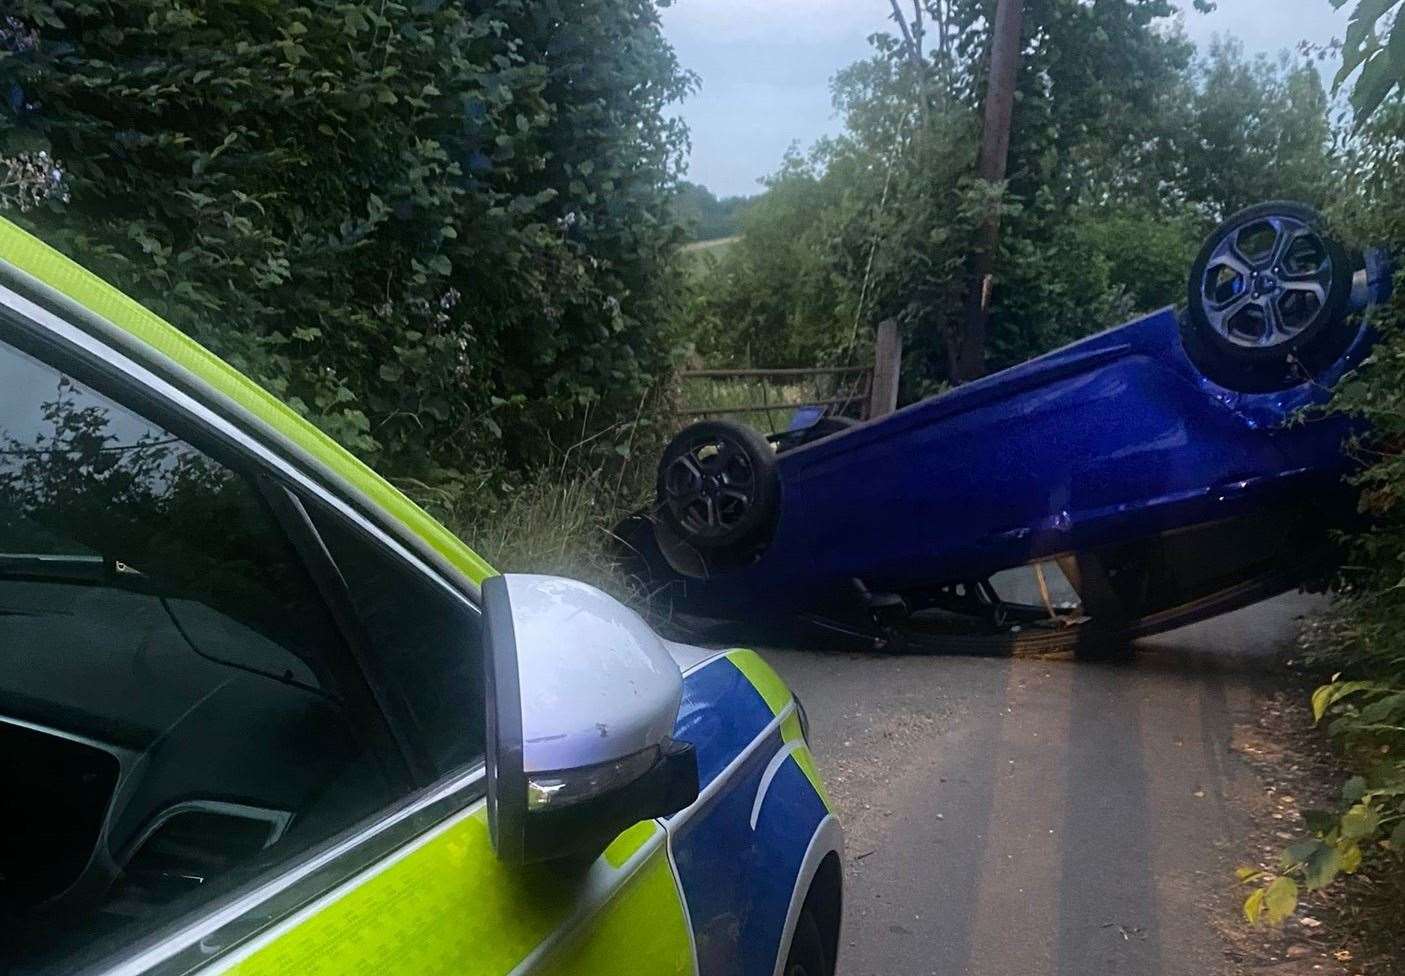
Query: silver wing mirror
[[582, 702]]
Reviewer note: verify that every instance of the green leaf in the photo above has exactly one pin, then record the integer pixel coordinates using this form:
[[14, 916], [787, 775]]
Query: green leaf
[[1254, 906], [1299, 853], [1280, 900], [1397, 837], [1378, 77], [1349, 857], [1321, 699], [1383, 709], [355, 22], [1320, 821], [1321, 867], [1395, 45], [1328, 695], [1363, 21], [1360, 822], [1354, 789], [1245, 875], [23, 140]]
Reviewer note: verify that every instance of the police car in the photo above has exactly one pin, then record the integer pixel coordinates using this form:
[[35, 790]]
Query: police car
[[259, 714]]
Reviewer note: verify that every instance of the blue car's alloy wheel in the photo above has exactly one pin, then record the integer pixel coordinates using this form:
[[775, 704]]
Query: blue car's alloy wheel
[[1266, 282], [1268, 299], [718, 488]]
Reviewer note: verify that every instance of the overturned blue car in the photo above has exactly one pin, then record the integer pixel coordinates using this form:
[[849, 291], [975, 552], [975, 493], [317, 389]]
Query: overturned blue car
[[1138, 480]]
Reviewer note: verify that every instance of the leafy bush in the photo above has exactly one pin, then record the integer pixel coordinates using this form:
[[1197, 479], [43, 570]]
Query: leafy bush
[[1363, 638], [1374, 41], [439, 229], [1147, 253]]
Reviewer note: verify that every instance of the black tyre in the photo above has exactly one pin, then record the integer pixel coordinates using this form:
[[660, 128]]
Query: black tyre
[[719, 488], [1268, 299], [807, 956]]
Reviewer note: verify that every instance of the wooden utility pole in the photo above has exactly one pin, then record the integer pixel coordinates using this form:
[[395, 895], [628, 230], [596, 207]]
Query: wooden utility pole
[[887, 370], [967, 358]]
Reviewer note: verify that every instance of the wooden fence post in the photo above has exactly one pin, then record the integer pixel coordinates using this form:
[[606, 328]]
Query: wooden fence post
[[887, 364]]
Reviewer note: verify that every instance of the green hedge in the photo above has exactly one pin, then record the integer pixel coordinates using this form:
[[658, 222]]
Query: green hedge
[[439, 229]]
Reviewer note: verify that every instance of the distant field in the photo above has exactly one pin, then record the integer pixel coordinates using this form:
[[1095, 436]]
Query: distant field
[[701, 254], [703, 249], [720, 243]]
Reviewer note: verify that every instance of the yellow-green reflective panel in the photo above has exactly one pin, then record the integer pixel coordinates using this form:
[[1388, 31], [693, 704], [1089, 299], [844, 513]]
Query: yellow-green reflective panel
[[623, 847], [642, 931], [777, 695], [448, 907], [766, 681], [790, 732], [38, 260]]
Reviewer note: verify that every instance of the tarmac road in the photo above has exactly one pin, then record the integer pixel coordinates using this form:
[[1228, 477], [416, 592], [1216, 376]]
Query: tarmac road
[[1027, 817]]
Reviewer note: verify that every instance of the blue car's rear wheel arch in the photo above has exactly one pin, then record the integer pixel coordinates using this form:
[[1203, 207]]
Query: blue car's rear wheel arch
[[719, 488], [1268, 299]]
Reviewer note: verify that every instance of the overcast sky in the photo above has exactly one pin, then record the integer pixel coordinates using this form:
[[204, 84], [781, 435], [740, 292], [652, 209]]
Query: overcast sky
[[766, 65]]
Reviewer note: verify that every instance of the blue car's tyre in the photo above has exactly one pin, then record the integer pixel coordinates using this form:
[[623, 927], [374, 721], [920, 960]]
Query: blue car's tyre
[[719, 488], [1267, 305]]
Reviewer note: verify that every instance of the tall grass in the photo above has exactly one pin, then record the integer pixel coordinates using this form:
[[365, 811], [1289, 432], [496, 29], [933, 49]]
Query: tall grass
[[559, 520], [561, 523]]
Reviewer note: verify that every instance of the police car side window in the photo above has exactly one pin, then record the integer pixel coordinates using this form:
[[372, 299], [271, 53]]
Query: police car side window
[[171, 720], [425, 643]]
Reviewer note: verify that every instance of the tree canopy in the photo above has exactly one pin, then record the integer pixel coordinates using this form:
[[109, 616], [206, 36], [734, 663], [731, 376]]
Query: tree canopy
[[1126, 146]]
